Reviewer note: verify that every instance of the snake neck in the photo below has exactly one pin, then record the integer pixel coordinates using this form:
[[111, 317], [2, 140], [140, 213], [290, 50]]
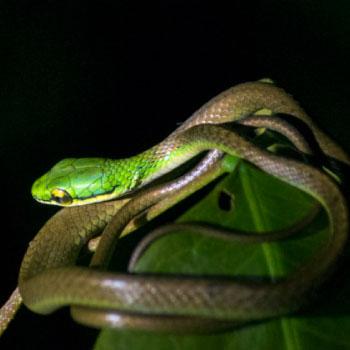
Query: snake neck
[[132, 173], [125, 175]]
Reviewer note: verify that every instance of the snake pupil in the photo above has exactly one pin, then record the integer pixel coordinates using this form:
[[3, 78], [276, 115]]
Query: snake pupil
[[61, 196]]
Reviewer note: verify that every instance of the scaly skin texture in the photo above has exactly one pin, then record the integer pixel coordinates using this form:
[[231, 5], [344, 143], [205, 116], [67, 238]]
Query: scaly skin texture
[[48, 280], [90, 180], [221, 299]]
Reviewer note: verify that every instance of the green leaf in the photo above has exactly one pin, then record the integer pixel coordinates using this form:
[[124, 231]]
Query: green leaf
[[248, 199]]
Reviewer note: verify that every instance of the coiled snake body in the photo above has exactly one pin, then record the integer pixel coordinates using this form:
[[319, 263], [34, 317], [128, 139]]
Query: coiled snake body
[[49, 278]]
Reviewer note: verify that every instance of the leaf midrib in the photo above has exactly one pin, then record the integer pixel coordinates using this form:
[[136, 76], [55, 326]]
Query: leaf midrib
[[259, 221]]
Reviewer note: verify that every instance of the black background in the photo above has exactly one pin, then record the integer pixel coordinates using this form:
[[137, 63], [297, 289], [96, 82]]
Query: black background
[[112, 78]]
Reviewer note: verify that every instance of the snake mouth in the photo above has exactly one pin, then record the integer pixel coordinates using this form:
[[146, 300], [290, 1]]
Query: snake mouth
[[78, 201], [50, 202]]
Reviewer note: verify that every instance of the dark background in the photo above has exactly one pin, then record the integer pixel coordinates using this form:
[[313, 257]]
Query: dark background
[[113, 78]]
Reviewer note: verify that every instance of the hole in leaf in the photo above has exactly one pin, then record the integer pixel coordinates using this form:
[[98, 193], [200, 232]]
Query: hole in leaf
[[225, 200]]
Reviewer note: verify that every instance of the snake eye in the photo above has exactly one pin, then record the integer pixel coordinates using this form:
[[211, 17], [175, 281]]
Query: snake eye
[[61, 196]]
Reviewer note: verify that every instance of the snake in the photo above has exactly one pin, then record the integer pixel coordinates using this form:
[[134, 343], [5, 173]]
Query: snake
[[99, 195]]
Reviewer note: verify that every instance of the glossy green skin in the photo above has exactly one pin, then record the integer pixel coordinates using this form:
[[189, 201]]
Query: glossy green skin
[[79, 177], [44, 286], [90, 179]]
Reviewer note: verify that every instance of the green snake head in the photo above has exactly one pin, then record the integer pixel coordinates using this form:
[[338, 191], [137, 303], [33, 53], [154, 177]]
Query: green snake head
[[77, 181]]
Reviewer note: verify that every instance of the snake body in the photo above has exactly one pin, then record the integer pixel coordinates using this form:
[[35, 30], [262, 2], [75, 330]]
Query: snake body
[[48, 278], [86, 180]]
